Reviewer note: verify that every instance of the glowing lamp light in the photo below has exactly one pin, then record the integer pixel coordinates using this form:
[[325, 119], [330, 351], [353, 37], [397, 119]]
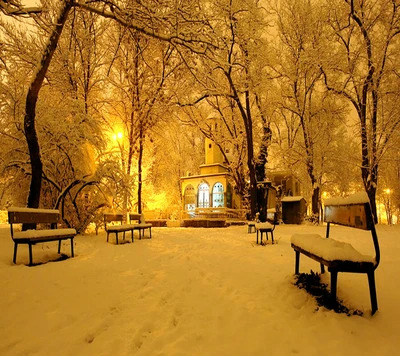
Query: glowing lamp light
[[118, 136], [388, 191]]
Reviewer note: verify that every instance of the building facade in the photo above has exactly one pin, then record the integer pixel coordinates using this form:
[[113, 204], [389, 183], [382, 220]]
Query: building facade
[[210, 188]]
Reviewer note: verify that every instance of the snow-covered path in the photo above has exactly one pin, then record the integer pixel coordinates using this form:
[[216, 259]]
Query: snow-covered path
[[191, 292]]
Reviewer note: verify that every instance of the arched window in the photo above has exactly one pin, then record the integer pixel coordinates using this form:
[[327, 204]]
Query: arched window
[[190, 198], [204, 195], [218, 195]]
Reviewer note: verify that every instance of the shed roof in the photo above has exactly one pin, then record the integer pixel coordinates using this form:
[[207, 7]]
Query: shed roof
[[294, 198]]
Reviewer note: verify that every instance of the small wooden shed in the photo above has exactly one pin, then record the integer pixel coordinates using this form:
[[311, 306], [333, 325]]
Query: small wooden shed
[[293, 209]]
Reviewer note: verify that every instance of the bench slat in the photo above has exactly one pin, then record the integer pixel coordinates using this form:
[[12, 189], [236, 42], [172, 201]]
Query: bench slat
[[43, 234], [113, 217], [133, 217], [339, 265], [120, 228], [20, 217], [328, 249], [142, 226]]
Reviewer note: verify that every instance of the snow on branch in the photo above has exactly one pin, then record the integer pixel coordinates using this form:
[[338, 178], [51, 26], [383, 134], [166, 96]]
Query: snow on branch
[[166, 25], [15, 8]]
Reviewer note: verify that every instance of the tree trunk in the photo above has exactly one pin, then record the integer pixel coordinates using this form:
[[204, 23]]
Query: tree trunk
[[315, 201], [30, 108], [371, 192], [250, 162], [140, 183], [262, 189]]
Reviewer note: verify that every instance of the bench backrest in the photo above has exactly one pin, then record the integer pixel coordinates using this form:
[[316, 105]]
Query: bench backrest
[[272, 217], [134, 217], [110, 217], [30, 217], [113, 217], [354, 211], [355, 215], [35, 216]]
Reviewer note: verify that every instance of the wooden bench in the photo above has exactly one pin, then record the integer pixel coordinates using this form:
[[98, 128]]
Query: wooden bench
[[140, 224], [267, 227], [43, 217], [354, 212], [114, 224], [251, 226]]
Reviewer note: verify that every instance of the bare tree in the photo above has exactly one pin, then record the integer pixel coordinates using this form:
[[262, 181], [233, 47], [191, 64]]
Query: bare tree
[[226, 80], [362, 68], [140, 85], [170, 23], [303, 96]]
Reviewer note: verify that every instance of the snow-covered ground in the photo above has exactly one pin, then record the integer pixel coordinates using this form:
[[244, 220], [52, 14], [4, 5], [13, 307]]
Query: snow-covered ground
[[192, 292]]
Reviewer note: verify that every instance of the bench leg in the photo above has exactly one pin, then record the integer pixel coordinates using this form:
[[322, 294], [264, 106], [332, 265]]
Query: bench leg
[[322, 268], [15, 252], [59, 246], [272, 237], [72, 247], [297, 262], [132, 234], [150, 232], [107, 235], [116, 238], [30, 254], [257, 237], [334, 275], [372, 291]]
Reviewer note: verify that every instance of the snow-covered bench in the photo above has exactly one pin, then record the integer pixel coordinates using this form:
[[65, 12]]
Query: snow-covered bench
[[251, 226], [32, 236], [354, 212], [114, 224], [267, 227], [140, 224]]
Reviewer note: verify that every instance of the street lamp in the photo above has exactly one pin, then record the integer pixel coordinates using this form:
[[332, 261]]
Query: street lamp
[[118, 136]]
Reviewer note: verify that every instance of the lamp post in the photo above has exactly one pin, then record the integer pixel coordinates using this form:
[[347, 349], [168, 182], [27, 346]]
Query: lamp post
[[119, 139]]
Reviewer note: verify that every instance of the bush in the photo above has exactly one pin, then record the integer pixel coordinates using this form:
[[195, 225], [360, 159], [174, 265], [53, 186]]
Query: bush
[[311, 282]]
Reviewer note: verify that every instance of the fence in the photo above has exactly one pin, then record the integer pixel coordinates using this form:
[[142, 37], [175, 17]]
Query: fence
[[215, 213]]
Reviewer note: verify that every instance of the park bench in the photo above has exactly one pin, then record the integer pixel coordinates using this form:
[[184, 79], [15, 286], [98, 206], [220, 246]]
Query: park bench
[[114, 224], [251, 225], [140, 224], [267, 227], [352, 212], [46, 219]]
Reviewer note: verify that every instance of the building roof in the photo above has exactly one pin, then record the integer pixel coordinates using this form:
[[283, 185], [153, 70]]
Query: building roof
[[294, 198]]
